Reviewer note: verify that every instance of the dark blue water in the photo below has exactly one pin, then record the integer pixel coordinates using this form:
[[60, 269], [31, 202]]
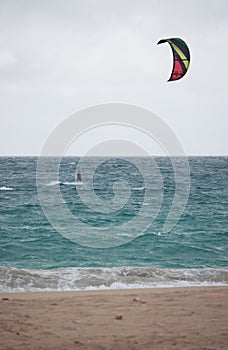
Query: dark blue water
[[36, 256]]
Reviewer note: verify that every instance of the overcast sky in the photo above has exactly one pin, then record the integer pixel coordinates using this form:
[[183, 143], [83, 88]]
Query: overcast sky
[[57, 57]]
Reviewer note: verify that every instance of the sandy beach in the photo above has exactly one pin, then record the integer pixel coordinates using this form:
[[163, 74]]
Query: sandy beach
[[168, 318]]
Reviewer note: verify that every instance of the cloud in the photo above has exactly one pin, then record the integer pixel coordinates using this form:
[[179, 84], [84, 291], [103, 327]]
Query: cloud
[[6, 58], [60, 57]]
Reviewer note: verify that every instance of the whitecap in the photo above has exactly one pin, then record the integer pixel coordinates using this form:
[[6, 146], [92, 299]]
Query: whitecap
[[53, 183], [5, 188]]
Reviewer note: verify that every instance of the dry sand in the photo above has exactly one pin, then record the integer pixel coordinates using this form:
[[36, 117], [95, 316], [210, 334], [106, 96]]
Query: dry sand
[[174, 318]]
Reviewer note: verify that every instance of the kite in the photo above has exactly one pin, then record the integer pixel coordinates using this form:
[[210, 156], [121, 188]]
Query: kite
[[181, 57]]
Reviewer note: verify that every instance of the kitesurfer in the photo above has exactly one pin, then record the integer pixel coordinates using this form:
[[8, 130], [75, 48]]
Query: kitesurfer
[[79, 176]]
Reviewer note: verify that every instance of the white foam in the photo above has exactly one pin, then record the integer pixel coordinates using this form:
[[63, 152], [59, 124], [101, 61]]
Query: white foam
[[53, 183], [72, 279], [5, 188]]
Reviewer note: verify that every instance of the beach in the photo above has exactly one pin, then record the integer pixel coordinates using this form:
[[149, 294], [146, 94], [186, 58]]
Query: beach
[[153, 290], [150, 318]]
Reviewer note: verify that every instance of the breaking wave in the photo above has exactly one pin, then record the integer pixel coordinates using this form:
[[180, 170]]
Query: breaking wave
[[70, 279]]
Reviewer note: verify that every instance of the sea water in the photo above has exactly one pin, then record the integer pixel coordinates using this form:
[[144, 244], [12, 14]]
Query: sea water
[[36, 256]]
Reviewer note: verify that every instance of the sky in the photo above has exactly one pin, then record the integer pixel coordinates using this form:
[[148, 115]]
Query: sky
[[58, 57]]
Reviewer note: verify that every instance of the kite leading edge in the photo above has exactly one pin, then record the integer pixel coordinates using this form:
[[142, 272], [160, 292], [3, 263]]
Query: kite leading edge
[[181, 57]]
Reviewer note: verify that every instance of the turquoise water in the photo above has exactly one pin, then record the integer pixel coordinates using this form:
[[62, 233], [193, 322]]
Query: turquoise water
[[35, 256]]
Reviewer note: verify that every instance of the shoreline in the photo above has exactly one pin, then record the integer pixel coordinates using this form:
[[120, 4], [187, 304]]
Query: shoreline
[[108, 290], [150, 318]]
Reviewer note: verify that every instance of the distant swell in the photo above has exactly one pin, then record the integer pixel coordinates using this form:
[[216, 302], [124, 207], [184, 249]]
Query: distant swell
[[66, 279]]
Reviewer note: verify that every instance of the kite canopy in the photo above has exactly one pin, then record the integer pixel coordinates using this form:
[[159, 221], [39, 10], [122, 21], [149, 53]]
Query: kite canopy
[[181, 57]]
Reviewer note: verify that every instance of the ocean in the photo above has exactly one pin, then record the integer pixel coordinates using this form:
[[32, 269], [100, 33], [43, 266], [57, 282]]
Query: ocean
[[108, 231]]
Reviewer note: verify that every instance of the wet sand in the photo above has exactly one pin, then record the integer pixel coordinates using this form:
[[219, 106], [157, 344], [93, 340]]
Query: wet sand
[[168, 318]]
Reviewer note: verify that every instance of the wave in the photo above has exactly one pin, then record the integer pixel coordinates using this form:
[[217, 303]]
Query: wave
[[72, 278], [72, 183], [55, 183], [5, 188]]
